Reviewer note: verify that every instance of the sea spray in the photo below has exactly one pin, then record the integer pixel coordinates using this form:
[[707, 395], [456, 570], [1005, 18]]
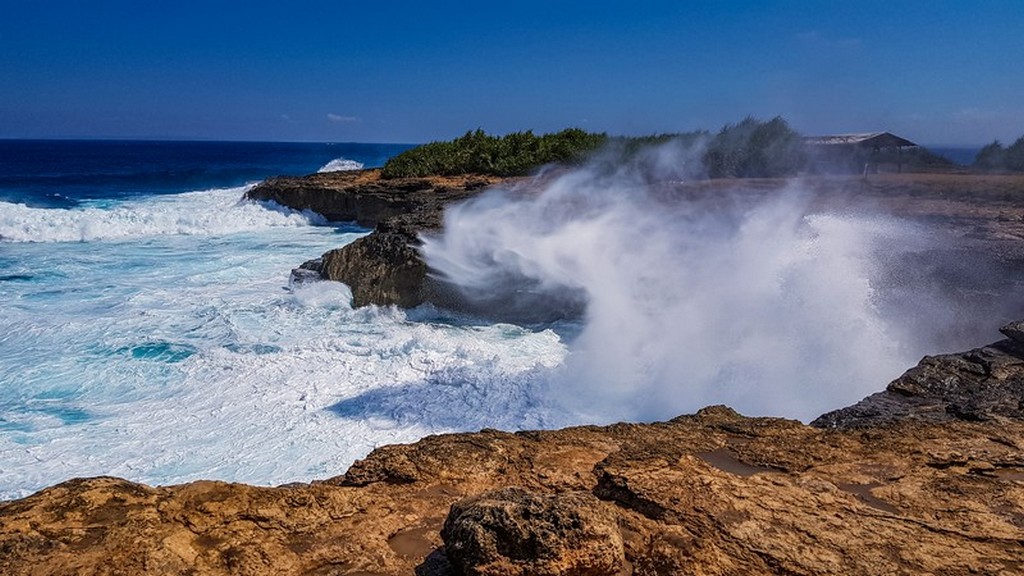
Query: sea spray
[[341, 165], [752, 300]]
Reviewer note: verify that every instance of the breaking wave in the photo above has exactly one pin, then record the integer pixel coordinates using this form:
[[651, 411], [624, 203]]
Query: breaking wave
[[341, 165], [210, 212]]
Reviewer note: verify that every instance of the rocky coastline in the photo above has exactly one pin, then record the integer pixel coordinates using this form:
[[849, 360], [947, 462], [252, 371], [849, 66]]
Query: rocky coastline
[[384, 267], [981, 213], [925, 477]]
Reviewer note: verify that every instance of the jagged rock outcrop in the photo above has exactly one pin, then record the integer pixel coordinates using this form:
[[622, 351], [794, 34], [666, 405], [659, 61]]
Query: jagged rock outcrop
[[979, 385], [384, 267], [364, 197], [381, 268], [517, 532], [714, 493]]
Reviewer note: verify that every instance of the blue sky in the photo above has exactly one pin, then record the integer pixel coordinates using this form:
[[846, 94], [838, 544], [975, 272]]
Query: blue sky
[[937, 72]]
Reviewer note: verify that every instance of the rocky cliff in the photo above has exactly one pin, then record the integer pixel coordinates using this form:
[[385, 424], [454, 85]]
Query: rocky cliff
[[981, 385], [981, 215], [928, 489], [383, 267]]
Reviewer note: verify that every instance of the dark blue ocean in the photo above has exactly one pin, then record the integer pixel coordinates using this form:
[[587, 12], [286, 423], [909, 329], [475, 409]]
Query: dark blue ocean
[[148, 329], [62, 173]]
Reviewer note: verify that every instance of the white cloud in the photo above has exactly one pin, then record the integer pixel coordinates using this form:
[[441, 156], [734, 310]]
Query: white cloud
[[338, 118]]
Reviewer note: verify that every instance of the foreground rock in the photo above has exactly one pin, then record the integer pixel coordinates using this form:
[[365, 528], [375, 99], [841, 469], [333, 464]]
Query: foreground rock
[[515, 532], [712, 493]]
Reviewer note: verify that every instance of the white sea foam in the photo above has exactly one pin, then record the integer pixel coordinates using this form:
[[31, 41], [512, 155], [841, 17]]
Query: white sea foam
[[171, 357], [341, 165], [203, 213]]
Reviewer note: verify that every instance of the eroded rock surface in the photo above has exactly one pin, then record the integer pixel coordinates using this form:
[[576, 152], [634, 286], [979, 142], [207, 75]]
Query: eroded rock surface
[[362, 196], [517, 532]]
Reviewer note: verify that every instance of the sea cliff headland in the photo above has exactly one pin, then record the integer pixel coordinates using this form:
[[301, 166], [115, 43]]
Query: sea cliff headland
[[982, 212]]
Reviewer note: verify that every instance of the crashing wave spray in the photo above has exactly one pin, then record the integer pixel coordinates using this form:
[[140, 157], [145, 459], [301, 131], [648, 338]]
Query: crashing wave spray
[[746, 299], [341, 165]]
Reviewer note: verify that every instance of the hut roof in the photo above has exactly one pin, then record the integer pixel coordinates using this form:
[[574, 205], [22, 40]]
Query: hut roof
[[868, 140]]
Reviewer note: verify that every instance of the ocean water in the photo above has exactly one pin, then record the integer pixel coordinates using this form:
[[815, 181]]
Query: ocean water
[[148, 331]]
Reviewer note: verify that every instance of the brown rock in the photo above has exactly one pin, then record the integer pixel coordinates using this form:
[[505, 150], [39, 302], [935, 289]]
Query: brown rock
[[515, 532], [714, 493], [382, 269], [362, 196], [1014, 331]]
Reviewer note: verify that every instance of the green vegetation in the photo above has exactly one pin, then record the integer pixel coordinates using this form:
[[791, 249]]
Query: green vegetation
[[514, 154], [996, 157], [755, 149], [749, 149]]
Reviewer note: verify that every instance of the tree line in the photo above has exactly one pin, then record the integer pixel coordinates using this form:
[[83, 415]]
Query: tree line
[[996, 157]]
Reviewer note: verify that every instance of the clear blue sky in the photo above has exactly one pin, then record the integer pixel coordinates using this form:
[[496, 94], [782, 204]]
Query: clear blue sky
[[935, 71]]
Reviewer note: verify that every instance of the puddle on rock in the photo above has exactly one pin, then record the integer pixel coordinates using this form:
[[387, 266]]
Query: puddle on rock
[[414, 542], [863, 493], [722, 459]]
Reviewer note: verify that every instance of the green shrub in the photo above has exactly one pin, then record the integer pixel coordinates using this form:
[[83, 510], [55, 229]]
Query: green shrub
[[995, 157], [753, 149], [476, 152], [749, 149], [991, 157], [1015, 155]]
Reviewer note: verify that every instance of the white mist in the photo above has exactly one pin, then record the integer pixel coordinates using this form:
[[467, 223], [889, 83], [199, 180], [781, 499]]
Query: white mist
[[753, 301]]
